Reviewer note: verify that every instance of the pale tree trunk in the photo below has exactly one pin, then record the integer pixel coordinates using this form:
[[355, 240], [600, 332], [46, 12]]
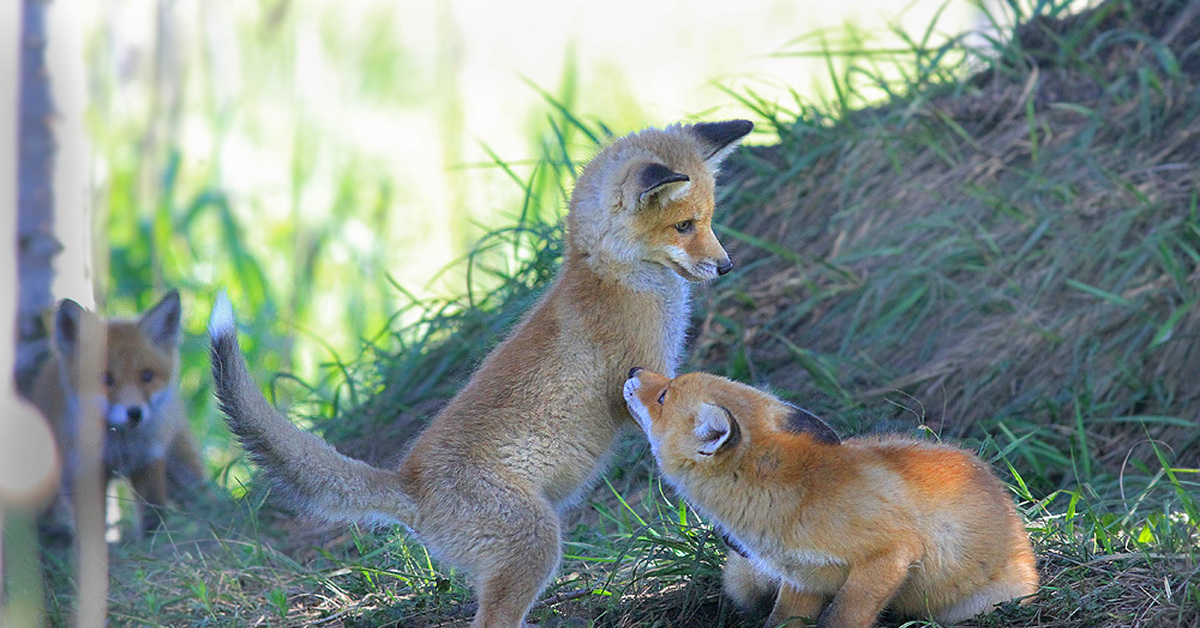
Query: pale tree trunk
[[37, 243], [29, 465], [52, 208], [54, 230]]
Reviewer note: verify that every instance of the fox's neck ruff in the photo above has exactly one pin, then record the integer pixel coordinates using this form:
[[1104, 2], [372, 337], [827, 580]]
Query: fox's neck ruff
[[634, 274], [752, 513], [648, 308], [742, 509]]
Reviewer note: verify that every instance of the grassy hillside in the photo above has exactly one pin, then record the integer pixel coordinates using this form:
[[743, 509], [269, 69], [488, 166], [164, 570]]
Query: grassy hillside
[[1005, 253], [1011, 252]]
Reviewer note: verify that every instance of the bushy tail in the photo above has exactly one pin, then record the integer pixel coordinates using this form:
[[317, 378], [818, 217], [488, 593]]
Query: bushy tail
[[310, 473]]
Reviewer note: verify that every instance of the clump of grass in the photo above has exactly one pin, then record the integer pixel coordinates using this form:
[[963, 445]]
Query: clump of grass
[[1107, 561]]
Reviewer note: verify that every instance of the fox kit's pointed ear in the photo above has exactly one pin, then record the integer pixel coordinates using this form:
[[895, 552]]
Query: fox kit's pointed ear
[[802, 421], [718, 139], [656, 184], [162, 322], [716, 429], [68, 323]]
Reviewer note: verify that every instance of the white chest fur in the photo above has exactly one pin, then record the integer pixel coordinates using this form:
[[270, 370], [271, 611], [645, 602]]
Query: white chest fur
[[676, 311]]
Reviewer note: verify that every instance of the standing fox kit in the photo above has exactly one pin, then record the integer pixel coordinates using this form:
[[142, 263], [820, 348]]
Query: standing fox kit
[[485, 483], [146, 436], [923, 528]]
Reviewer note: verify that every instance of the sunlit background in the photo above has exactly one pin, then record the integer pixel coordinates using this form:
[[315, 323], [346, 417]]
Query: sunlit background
[[379, 120], [332, 163]]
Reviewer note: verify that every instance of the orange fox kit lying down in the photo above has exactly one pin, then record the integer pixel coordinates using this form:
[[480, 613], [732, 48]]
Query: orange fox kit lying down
[[923, 528], [146, 438], [484, 484]]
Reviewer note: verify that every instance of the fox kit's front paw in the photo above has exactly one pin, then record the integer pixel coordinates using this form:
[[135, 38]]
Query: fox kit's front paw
[[795, 608]]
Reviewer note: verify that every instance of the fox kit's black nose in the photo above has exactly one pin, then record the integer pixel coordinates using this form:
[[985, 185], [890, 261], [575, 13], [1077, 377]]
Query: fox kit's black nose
[[634, 371], [726, 267], [135, 415]]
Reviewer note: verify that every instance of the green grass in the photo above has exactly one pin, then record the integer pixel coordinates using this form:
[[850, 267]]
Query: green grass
[[1004, 258]]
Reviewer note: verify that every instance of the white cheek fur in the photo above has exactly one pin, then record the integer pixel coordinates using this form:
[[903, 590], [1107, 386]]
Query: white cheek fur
[[636, 407], [641, 414]]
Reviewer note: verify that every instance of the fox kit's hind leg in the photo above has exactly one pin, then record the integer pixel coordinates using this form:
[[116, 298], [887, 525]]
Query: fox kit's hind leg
[[983, 600], [518, 556], [500, 529], [757, 591], [750, 588]]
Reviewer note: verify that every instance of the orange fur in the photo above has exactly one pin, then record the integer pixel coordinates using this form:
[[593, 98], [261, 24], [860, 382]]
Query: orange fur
[[849, 527]]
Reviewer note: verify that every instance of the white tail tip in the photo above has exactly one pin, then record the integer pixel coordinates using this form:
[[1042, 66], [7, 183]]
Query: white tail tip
[[221, 321]]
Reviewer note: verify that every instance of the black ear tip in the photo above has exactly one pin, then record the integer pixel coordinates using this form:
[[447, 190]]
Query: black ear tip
[[656, 175], [67, 320], [802, 421], [168, 306], [718, 135], [68, 307], [741, 126], [634, 371]]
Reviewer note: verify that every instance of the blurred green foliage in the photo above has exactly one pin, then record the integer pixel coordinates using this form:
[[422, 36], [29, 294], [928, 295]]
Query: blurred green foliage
[[216, 171]]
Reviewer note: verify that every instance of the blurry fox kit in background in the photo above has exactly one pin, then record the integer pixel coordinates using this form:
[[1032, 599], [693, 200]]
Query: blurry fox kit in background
[[848, 527], [146, 436], [485, 483]]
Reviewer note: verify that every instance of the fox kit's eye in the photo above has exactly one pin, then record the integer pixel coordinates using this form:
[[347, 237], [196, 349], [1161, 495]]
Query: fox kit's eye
[[686, 226], [147, 375], [108, 378], [663, 397]]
